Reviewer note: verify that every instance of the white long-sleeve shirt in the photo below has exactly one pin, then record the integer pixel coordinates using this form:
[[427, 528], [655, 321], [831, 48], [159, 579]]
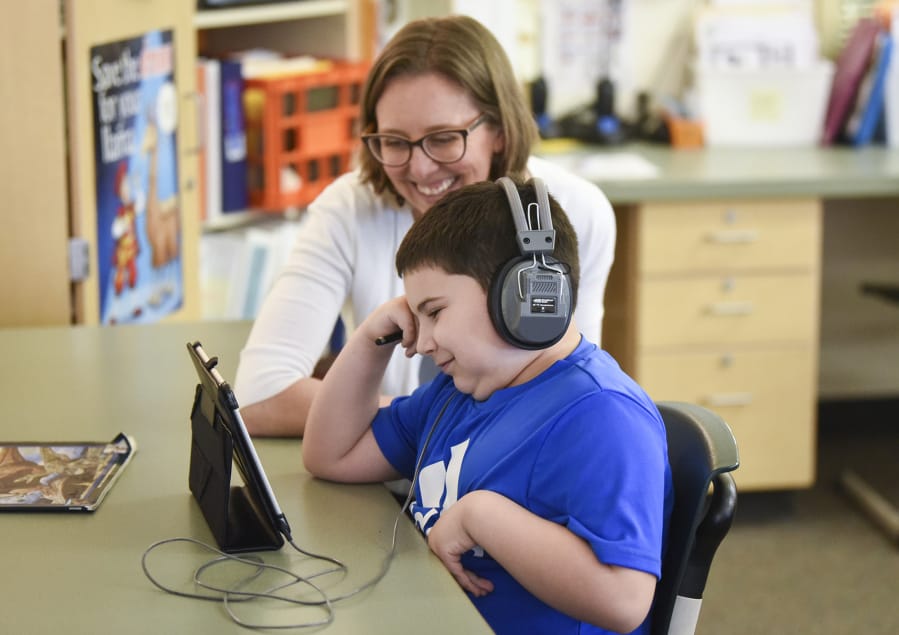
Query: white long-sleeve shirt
[[345, 251]]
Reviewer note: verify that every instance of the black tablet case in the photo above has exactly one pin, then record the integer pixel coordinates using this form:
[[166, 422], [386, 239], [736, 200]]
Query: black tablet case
[[235, 514]]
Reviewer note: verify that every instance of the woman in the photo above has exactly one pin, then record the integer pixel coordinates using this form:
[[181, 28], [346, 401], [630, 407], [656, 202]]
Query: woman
[[441, 109]]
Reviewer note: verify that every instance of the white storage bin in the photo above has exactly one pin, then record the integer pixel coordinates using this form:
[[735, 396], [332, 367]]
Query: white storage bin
[[770, 107]]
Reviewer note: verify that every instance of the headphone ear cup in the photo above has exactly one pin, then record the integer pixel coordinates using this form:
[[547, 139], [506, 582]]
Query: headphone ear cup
[[525, 323], [498, 288]]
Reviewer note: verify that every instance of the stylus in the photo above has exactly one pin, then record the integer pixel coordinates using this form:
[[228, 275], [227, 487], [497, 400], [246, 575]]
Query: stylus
[[387, 339]]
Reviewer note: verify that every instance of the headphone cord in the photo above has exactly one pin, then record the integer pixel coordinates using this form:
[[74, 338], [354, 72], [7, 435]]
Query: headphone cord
[[237, 592]]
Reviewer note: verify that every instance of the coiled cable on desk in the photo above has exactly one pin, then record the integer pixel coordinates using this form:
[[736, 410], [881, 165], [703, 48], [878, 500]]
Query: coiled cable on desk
[[229, 596]]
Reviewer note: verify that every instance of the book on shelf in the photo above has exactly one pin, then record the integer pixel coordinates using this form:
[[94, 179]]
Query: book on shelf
[[868, 115], [891, 90], [211, 146], [223, 153], [852, 64], [201, 135], [235, 196]]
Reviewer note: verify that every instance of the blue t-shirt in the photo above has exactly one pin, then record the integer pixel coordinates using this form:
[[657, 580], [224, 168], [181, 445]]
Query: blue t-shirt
[[581, 445]]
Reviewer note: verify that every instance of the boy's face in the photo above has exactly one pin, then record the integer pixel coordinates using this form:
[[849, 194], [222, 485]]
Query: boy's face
[[455, 330]]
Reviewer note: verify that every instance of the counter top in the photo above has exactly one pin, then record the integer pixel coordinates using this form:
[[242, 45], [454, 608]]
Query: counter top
[[714, 173]]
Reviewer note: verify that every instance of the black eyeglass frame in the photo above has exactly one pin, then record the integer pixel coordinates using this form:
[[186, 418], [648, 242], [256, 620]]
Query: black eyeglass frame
[[420, 142]]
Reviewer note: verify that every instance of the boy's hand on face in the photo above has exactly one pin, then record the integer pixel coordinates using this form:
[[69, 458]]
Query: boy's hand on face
[[449, 539], [392, 316]]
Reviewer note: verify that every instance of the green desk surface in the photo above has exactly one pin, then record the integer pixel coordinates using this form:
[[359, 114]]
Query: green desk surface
[[81, 573], [730, 173]]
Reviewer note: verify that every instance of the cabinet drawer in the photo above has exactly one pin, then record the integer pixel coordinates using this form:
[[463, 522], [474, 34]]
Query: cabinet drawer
[[767, 398], [732, 235], [732, 309]]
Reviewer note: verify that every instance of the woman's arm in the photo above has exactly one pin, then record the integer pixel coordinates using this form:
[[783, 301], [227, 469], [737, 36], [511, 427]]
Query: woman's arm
[[275, 380], [550, 561], [285, 414]]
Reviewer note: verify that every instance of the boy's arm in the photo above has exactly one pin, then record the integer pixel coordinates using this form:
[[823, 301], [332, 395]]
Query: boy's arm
[[553, 563], [338, 443]]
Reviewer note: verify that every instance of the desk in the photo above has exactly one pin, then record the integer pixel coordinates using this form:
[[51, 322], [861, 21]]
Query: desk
[[81, 573], [735, 285], [704, 173]]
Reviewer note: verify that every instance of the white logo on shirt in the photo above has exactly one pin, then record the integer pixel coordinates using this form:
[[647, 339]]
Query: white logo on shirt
[[437, 479]]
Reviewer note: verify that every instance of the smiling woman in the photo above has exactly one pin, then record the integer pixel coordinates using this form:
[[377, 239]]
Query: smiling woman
[[447, 122], [441, 109]]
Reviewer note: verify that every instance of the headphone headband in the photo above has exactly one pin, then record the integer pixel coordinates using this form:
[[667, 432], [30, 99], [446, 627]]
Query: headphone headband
[[539, 240]]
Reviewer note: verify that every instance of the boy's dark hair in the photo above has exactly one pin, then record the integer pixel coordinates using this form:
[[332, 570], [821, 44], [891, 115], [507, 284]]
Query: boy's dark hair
[[471, 232]]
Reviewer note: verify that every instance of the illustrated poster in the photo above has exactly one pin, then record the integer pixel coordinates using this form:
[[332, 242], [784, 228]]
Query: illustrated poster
[[135, 116]]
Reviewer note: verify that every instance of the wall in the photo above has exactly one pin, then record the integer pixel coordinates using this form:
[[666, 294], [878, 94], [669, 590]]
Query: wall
[[655, 54]]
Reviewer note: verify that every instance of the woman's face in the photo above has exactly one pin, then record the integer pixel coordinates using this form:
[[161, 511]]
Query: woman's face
[[412, 106]]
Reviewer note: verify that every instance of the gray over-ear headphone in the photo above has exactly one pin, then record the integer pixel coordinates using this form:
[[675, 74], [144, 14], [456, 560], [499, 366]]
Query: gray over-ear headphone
[[530, 296]]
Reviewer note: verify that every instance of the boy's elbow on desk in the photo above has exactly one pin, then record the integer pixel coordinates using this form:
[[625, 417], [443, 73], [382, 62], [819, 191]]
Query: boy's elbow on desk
[[316, 459], [316, 463]]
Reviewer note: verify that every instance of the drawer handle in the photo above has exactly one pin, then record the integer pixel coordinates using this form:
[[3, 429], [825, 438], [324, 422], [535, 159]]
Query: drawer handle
[[730, 308], [733, 236], [729, 399]]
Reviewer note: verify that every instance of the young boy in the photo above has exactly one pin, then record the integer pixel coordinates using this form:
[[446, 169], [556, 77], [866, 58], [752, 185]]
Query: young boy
[[541, 476]]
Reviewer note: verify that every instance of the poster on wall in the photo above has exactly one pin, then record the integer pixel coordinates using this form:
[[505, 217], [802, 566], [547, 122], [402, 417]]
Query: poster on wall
[[135, 116]]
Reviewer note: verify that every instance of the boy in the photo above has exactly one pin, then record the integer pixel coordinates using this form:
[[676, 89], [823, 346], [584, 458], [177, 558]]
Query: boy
[[540, 473]]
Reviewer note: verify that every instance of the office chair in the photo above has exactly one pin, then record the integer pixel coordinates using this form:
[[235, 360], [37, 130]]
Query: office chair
[[701, 451]]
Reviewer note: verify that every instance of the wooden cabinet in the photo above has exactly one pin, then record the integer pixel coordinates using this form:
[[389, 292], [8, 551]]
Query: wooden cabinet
[[716, 303], [34, 286]]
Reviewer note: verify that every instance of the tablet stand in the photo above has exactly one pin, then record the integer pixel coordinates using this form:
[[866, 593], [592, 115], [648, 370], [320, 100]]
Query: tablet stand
[[232, 513]]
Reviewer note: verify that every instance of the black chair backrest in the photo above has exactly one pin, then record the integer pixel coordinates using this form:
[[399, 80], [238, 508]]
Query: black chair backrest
[[701, 452]]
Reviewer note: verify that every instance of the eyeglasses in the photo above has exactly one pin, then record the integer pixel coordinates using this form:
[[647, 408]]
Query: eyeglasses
[[442, 146]]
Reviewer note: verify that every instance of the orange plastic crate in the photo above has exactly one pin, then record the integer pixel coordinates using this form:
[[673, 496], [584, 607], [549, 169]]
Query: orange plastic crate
[[302, 131]]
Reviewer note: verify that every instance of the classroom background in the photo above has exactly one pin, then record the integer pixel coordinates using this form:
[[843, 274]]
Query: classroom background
[[171, 190]]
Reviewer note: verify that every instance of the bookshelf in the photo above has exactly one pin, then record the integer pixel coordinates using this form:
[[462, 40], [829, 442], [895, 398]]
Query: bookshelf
[[323, 28], [269, 13], [49, 178], [235, 243], [328, 28]]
